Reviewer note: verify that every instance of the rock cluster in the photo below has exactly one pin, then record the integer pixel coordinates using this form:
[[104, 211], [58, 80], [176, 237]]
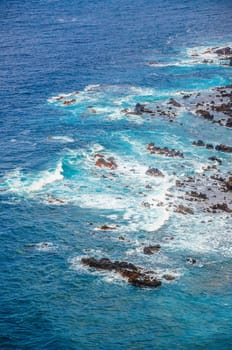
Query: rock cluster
[[134, 274], [163, 151], [154, 172], [103, 162]]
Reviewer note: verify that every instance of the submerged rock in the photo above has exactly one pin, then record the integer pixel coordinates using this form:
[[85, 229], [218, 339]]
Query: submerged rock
[[174, 103], [163, 151], [151, 249], [181, 209], [134, 275], [69, 102], [154, 172], [199, 143], [204, 114], [228, 183], [221, 206]]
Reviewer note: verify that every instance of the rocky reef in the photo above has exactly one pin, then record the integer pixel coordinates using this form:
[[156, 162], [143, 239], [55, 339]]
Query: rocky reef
[[133, 274]]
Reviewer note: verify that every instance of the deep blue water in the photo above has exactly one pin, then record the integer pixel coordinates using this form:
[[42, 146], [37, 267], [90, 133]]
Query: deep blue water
[[101, 49]]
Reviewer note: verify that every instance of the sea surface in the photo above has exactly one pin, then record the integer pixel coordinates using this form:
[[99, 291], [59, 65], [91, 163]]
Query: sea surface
[[54, 199]]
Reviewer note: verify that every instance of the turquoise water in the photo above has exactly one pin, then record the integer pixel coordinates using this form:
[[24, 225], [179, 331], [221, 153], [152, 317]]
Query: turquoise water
[[51, 190]]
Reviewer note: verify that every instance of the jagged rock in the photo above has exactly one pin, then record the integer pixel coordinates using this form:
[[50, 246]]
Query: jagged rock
[[229, 123], [163, 151], [154, 172], [221, 206], [214, 158], [174, 103], [224, 148], [168, 277], [209, 146], [69, 102], [151, 249], [197, 195], [224, 51], [183, 210], [134, 275], [199, 143], [106, 163], [191, 261], [229, 183], [204, 114], [106, 227]]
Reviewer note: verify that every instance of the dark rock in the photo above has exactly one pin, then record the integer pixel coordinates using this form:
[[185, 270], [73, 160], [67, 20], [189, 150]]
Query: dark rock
[[174, 103], [221, 206], [168, 277], [214, 158], [144, 281], [151, 249], [209, 146], [183, 210], [228, 183], [106, 227], [191, 261], [199, 143], [204, 114], [197, 195], [106, 163], [154, 172], [163, 151], [69, 102], [134, 275], [224, 51], [229, 123], [224, 148]]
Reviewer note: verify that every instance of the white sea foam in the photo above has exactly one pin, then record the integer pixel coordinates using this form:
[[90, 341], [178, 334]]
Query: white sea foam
[[64, 139], [23, 184], [47, 178], [45, 247]]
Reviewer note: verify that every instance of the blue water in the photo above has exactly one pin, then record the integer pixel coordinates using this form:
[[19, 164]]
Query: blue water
[[101, 49]]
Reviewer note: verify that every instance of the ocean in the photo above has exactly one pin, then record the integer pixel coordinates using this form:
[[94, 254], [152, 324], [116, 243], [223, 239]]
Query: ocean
[[98, 125]]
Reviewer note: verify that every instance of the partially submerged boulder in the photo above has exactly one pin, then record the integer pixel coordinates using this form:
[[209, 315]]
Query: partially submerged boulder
[[154, 172]]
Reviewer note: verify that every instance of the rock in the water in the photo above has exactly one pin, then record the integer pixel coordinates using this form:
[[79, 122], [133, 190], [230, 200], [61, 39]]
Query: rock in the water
[[106, 163], [154, 172], [134, 275], [204, 114], [214, 158], [69, 102], [181, 209], [221, 206], [229, 120], [199, 143], [224, 148], [168, 277], [229, 183], [174, 103], [151, 249], [163, 151]]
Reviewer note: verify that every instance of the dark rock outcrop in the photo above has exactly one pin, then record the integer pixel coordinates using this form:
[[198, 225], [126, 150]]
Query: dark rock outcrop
[[134, 275], [105, 163], [224, 148], [199, 143], [228, 183], [181, 209], [174, 103], [163, 151], [151, 249], [154, 172], [204, 114]]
